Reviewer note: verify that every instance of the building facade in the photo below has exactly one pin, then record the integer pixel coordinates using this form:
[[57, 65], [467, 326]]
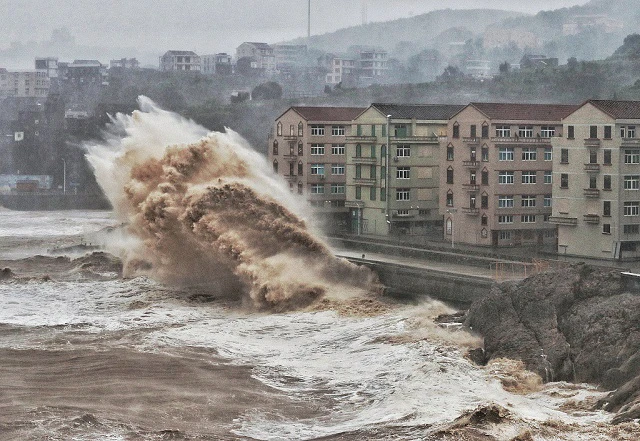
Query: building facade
[[307, 146], [395, 191], [24, 84], [180, 61], [261, 54], [219, 64], [596, 181], [496, 174]]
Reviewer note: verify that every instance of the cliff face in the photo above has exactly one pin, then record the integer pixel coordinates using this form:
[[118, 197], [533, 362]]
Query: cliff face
[[577, 324]]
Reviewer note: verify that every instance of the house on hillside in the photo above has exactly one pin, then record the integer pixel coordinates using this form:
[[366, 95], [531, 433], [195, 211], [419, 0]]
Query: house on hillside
[[181, 61]]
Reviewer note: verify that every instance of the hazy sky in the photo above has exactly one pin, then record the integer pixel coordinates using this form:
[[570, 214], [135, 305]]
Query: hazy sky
[[213, 25]]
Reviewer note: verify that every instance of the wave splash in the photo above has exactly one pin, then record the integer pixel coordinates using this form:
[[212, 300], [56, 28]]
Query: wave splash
[[204, 208]]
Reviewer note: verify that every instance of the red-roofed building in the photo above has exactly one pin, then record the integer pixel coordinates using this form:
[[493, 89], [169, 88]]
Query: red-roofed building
[[496, 173], [596, 181], [307, 148]]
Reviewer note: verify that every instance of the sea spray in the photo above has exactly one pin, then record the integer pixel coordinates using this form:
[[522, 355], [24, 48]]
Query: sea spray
[[205, 208]]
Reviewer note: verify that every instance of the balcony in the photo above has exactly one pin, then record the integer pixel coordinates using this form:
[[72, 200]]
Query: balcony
[[591, 218], [290, 138], [631, 142], [361, 138], [592, 193], [364, 181], [592, 168], [291, 178], [471, 187], [560, 220], [471, 140], [471, 211], [415, 139], [470, 164], [364, 160], [592, 142], [519, 140], [291, 157]]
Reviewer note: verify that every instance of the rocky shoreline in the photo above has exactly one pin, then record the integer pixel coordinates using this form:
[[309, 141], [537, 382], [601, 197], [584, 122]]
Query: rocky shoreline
[[578, 324]]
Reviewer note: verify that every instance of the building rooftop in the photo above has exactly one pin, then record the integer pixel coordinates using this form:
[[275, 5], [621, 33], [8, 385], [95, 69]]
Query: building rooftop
[[419, 111], [329, 113], [618, 109], [181, 53], [257, 44], [525, 112]]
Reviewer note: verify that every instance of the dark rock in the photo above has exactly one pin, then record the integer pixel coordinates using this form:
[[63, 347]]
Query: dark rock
[[478, 356], [6, 273]]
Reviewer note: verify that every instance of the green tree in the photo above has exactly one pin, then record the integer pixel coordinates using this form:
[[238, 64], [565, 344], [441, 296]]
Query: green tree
[[267, 91]]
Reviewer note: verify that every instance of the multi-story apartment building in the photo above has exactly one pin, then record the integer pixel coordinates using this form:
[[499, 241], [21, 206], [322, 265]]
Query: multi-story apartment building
[[24, 84], [372, 64], [85, 72], [48, 64], [342, 68], [496, 173], [180, 61], [125, 63], [261, 54], [216, 64], [289, 56], [307, 147], [596, 181], [395, 192]]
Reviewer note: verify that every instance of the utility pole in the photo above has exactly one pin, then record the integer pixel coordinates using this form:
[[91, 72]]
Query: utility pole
[[387, 177], [309, 21]]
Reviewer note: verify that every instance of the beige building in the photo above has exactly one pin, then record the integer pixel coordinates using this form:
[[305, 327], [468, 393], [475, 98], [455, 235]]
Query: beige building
[[307, 147], [24, 84], [409, 203], [596, 181], [180, 61], [261, 54], [496, 173]]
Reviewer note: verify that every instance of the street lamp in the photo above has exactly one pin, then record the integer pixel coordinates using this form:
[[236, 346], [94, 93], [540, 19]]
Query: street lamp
[[452, 211], [388, 173]]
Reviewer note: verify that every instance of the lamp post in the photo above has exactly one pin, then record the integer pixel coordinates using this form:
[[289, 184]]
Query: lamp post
[[388, 174], [452, 211], [64, 177]]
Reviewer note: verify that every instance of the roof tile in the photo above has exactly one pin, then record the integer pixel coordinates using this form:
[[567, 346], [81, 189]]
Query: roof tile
[[525, 112], [329, 113]]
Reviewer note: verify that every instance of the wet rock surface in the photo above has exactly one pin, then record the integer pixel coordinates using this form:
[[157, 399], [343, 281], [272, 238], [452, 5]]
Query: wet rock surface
[[578, 324]]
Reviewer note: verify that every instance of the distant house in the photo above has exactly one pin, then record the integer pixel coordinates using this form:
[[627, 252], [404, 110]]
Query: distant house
[[261, 54], [83, 72], [124, 63], [341, 68], [219, 64], [581, 23], [289, 56], [24, 84], [48, 64], [180, 61], [537, 61]]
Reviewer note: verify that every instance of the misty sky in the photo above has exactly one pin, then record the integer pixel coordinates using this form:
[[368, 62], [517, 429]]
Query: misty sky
[[209, 26]]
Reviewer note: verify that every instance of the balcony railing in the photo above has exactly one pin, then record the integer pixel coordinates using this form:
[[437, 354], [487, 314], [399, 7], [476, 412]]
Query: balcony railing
[[471, 211], [415, 139], [361, 138], [290, 137], [471, 187], [291, 178], [364, 181], [591, 218], [470, 164], [592, 142], [591, 193], [592, 168], [520, 140], [630, 142], [364, 160], [471, 140], [291, 157], [560, 220]]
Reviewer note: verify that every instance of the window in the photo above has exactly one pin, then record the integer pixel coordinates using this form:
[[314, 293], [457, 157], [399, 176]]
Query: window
[[593, 157], [373, 151], [607, 157], [548, 154], [301, 131], [505, 154], [300, 186], [400, 130], [300, 168], [593, 132], [450, 153], [275, 166], [403, 151], [337, 169], [383, 194], [358, 171], [528, 218], [547, 132], [525, 131], [632, 208], [337, 188], [632, 156], [358, 192], [505, 219], [564, 180], [631, 229], [593, 182], [472, 131], [403, 172], [450, 175], [505, 201], [317, 188], [484, 220], [628, 131], [317, 130], [372, 172], [449, 226], [485, 131], [571, 132], [402, 194], [484, 201], [484, 154], [358, 151], [503, 131], [317, 169], [456, 131], [528, 177], [275, 147], [384, 130], [359, 130], [373, 132], [607, 132], [631, 182], [564, 156], [505, 177], [449, 198], [279, 129], [317, 149], [505, 235], [484, 177], [529, 154], [337, 130], [372, 193], [291, 169], [548, 177], [300, 149], [606, 228], [337, 149], [547, 200], [606, 208], [528, 201]]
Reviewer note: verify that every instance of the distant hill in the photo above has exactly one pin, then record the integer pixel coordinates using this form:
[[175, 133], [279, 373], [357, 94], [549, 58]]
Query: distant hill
[[421, 30]]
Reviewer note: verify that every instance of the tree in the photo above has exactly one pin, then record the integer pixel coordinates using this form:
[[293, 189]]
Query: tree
[[267, 91], [504, 67], [572, 64]]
